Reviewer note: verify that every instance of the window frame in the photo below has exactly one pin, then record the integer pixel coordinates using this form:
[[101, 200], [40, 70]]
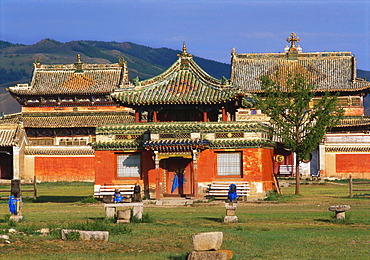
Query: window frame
[[129, 177], [240, 175]]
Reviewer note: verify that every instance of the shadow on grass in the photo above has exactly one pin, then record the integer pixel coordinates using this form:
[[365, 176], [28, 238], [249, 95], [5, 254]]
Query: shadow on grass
[[218, 220], [183, 256], [323, 220], [59, 199]]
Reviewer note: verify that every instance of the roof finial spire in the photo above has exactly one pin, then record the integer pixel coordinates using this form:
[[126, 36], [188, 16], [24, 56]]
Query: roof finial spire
[[78, 58], [293, 39], [184, 53], [184, 48]]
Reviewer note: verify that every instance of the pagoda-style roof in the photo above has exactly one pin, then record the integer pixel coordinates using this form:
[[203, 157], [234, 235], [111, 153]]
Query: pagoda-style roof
[[329, 71], [70, 119], [183, 83], [75, 80], [12, 135]]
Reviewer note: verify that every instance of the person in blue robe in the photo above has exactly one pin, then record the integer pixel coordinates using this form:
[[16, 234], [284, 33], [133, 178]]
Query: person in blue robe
[[232, 194]]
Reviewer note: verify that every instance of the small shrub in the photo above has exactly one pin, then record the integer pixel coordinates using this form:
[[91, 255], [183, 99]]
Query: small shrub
[[272, 196], [146, 218], [239, 228], [73, 236], [29, 230], [90, 199], [12, 223], [56, 233]]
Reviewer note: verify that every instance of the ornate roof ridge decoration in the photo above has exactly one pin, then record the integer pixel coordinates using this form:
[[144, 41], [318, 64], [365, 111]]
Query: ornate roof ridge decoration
[[242, 143], [347, 149], [178, 145], [73, 79], [183, 127], [329, 71], [117, 145], [354, 121], [59, 150], [184, 82]]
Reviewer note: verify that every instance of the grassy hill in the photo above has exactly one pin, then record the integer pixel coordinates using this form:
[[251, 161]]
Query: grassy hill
[[143, 62]]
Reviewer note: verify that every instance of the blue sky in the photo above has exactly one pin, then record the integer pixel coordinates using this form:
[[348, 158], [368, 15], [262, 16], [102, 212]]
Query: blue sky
[[210, 28]]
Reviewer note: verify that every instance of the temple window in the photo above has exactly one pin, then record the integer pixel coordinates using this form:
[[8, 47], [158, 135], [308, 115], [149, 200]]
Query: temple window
[[128, 165], [229, 163], [73, 141]]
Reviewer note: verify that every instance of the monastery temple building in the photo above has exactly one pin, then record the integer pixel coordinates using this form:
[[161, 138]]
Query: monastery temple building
[[89, 122]]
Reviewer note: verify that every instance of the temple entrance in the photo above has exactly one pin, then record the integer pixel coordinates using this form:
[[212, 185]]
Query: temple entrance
[[6, 162], [179, 177]]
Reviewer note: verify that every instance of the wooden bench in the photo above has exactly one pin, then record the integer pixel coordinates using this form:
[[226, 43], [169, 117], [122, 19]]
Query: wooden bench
[[221, 188], [100, 191], [286, 169]]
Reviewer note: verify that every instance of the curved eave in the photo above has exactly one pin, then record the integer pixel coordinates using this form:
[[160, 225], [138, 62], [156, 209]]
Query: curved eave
[[183, 83]]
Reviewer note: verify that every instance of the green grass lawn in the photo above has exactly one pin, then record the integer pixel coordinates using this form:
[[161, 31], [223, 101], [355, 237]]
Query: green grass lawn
[[293, 227]]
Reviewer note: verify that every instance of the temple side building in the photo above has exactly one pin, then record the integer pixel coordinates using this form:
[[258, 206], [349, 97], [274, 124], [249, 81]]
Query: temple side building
[[334, 72], [61, 107]]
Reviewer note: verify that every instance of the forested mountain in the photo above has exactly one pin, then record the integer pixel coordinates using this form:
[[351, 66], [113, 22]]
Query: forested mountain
[[16, 62], [143, 61]]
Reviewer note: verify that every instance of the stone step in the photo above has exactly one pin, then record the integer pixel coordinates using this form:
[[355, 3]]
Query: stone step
[[174, 202]]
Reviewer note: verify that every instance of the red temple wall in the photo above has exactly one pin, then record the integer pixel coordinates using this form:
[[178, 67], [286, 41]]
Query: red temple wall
[[257, 167], [106, 168], [51, 169], [356, 164]]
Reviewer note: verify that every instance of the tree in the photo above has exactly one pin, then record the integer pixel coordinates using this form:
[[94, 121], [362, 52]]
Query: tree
[[298, 121]]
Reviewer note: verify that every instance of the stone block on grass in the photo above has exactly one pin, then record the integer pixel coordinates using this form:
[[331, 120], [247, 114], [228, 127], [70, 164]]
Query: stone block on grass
[[123, 216], [210, 255], [87, 235], [207, 241], [110, 212]]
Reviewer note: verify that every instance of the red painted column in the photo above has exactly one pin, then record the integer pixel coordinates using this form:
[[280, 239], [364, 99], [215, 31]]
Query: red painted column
[[137, 117], [224, 114], [155, 116], [157, 183], [195, 172], [205, 116]]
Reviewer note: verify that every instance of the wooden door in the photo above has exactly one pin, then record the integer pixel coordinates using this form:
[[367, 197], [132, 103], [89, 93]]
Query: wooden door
[[179, 177]]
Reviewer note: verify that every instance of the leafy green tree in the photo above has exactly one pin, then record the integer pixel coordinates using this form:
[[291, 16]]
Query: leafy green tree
[[297, 121]]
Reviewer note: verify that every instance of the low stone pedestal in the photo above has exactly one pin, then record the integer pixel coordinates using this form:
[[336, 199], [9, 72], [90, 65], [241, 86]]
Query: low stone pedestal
[[111, 209], [340, 211], [210, 255], [231, 213], [207, 245], [87, 235], [16, 218], [124, 216], [207, 241]]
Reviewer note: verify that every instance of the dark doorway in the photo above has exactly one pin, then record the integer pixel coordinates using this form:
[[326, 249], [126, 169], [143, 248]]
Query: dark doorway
[[179, 115], [6, 162]]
